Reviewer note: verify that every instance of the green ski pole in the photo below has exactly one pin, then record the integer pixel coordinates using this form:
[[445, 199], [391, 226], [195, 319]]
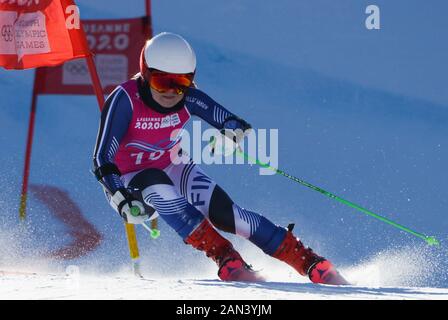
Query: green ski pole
[[429, 239]]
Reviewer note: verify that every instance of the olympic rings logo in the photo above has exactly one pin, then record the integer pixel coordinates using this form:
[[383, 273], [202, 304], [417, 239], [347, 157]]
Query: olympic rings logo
[[7, 33], [76, 68]]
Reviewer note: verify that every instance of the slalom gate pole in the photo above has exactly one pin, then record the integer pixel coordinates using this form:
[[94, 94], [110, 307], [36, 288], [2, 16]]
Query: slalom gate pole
[[430, 240], [133, 248], [29, 145]]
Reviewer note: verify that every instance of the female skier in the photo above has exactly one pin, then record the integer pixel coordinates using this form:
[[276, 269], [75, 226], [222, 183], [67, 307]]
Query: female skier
[[132, 160]]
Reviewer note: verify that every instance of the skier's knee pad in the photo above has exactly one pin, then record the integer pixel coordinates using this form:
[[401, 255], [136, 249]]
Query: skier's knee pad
[[221, 210]]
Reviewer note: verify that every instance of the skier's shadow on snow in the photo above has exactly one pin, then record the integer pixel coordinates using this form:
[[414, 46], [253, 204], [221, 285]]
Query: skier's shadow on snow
[[310, 288]]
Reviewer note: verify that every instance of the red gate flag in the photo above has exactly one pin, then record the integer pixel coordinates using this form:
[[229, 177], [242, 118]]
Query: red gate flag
[[35, 33], [116, 45]]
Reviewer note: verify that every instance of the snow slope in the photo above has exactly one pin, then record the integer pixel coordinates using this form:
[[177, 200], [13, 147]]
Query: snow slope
[[54, 286], [362, 114]]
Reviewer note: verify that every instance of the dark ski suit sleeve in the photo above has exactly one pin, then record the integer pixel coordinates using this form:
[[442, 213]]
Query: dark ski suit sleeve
[[200, 104], [115, 118]]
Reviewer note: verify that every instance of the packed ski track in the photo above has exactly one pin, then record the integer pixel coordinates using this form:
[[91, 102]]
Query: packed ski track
[[16, 285], [375, 278]]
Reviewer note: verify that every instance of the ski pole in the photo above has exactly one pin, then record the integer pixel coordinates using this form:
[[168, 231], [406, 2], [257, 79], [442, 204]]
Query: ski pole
[[154, 232], [429, 239]]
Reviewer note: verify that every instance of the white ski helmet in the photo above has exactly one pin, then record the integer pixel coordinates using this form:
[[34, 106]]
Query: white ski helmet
[[167, 52]]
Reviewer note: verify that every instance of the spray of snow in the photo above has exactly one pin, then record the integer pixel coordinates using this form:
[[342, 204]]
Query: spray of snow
[[410, 266], [418, 266], [18, 255]]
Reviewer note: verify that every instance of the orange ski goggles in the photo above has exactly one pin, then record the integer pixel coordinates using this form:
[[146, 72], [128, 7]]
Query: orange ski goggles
[[163, 82]]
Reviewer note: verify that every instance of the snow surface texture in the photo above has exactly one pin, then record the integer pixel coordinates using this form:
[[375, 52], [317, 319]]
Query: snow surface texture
[[32, 286], [360, 113]]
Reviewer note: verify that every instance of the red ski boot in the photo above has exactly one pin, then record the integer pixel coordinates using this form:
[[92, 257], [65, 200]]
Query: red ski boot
[[324, 272], [306, 262], [231, 266]]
